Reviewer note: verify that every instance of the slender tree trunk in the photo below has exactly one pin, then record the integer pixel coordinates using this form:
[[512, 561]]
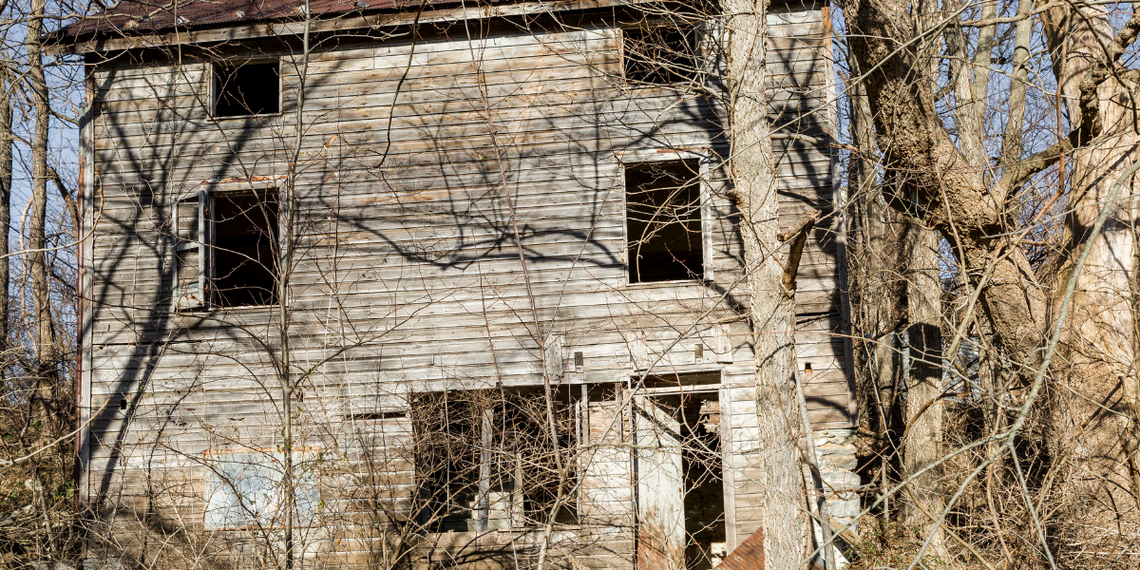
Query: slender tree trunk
[[45, 352], [922, 440], [971, 79], [752, 170], [1012, 147], [5, 201], [285, 245]]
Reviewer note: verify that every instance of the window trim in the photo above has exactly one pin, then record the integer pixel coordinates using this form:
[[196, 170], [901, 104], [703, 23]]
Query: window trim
[[704, 157], [236, 62], [204, 193]]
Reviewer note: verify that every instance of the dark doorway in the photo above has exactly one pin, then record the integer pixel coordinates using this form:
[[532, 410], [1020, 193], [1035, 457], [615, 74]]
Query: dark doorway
[[704, 480], [681, 502]]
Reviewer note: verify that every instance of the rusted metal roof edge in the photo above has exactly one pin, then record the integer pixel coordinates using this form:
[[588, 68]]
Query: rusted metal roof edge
[[108, 42]]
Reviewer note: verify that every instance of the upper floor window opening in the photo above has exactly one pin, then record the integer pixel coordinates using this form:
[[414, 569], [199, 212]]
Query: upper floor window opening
[[661, 54], [246, 89], [664, 241], [226, 249]]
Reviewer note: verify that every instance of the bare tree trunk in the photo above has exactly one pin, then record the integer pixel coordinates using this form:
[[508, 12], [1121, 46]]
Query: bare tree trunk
[[45, 351], [290, 382], [922, 440], [5, 201], [971, 80], [752, 170], [1095, 414], [1012, 148]]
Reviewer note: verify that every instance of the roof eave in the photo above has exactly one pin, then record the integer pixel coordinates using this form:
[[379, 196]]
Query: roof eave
[[101, 41]]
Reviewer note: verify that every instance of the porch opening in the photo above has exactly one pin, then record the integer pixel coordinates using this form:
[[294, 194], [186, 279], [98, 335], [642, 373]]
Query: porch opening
[[485, 460]]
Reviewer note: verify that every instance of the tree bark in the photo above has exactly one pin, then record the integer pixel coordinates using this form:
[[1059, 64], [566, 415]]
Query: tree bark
[[1095, 437], [1012, 147], [45, 350], [5, 201], [929, 177], [922, 440], [752, 170]]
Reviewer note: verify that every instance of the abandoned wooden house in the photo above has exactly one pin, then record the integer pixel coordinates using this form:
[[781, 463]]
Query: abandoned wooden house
[[436, 283]]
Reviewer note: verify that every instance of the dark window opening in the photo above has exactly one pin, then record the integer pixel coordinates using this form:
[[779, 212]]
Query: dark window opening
[[663, 221], [660, 55], [484, 461], [245, 248], [247, 89]]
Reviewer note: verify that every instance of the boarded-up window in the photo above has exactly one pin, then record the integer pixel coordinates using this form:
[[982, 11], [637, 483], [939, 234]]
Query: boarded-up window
[[247, 490], [247, 89], [663, 221]]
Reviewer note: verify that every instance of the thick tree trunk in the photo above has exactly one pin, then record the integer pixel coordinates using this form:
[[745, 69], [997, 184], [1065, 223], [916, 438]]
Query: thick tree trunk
[[1095, 412], [931, 179], [752, 171]]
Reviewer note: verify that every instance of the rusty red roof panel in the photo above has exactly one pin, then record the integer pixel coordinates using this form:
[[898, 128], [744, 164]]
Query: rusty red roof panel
[[749, 555]]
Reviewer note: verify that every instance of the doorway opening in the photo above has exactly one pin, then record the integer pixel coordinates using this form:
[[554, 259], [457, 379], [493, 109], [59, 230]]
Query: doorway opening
[[681, 498]]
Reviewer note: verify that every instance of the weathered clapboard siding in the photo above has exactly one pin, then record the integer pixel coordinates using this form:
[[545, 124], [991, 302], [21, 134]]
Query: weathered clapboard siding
[[407, 276]]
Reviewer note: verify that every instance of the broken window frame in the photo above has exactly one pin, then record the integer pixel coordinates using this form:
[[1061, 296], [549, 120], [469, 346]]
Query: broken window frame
[[201, 294], [705, 159], [192, 295], [216, 88]]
